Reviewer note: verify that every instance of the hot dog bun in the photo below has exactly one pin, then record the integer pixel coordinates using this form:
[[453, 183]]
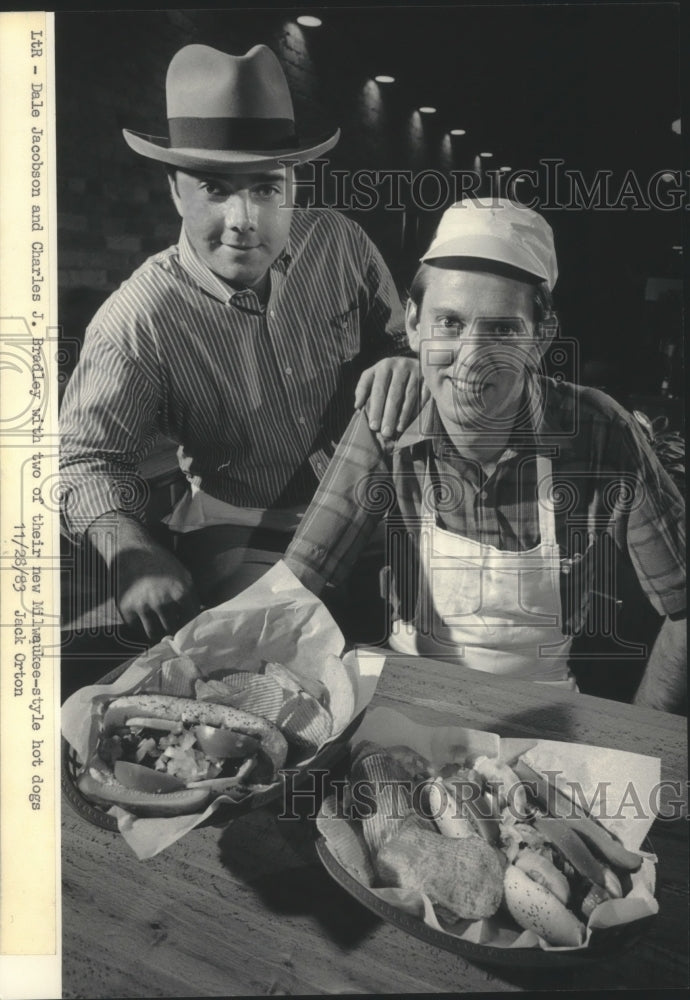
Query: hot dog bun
[[163, 706], [541, 870], [106, 789], [536, 908]]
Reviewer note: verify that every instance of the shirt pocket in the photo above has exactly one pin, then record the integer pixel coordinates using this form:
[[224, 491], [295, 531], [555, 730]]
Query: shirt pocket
[[336, 363], [344, 333]]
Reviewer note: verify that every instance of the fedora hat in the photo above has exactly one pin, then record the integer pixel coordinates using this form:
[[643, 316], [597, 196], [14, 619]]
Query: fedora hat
[[228, 114]]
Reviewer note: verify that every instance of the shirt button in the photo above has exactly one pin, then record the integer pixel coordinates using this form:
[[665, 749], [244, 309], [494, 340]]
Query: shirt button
[[272, 313], [301, 420], [288, 370], [483, 495]]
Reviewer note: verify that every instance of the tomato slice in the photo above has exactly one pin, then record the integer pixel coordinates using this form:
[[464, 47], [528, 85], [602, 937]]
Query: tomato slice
[[145, 779], [225, 742]]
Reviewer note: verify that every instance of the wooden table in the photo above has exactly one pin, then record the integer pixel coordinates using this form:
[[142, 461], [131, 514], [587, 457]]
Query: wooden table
[[248, 910]]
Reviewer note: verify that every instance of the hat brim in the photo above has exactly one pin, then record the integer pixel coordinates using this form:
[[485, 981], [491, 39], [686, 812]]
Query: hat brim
[[226, 161], [489, 248]]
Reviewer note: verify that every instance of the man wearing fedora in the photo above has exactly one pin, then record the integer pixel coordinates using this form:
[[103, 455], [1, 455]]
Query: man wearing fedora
[[515, 503], [247, 343]]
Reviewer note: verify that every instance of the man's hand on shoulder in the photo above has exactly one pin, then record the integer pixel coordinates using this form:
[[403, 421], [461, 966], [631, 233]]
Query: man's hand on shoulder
[[153, 589], [393, 392]]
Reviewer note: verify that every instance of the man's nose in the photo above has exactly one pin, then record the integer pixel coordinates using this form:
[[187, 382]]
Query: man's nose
[[238, 212], [450, 353]]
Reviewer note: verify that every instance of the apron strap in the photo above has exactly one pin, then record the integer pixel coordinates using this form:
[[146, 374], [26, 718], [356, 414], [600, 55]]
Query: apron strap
[[545, 501]]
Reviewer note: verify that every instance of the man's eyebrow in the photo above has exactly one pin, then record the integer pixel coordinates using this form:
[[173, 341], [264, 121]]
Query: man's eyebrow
[[446, 310]]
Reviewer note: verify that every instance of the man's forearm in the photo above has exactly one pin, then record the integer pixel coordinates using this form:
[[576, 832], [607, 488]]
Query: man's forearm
[[114, 532], [665, 681]]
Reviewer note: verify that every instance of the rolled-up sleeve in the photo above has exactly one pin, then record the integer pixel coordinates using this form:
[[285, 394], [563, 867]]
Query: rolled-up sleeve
[[353, 496], [108, 424], [655, 527]]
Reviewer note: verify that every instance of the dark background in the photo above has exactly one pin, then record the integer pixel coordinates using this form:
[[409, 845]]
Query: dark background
[[592, 84], [595, 85]]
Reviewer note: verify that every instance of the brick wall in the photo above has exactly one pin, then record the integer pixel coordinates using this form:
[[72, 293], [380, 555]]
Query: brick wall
[[114, 209], [112, 205]]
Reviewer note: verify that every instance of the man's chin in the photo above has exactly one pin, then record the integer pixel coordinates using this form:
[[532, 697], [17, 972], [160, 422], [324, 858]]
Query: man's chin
[[470, 410], [476, 418], [238, 278]]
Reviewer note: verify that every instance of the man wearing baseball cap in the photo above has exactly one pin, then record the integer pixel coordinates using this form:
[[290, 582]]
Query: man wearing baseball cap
[[244, 343], [508, 493]]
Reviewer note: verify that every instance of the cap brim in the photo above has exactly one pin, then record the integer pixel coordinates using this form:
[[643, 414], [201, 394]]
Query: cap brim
[[226, 161], [490, 248]]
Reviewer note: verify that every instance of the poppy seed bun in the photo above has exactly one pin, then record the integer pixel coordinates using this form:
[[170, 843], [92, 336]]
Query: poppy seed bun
[[162, 706]]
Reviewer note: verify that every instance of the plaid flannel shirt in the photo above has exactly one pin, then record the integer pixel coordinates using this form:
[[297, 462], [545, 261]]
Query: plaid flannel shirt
[[614, 505]]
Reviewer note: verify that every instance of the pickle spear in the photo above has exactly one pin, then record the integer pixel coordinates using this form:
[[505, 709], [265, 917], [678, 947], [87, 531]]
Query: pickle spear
[[562, 836], [558, 804]]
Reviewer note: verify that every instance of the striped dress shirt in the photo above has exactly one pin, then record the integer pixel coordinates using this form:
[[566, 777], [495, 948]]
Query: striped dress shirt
[[616, 509], [256, 396]]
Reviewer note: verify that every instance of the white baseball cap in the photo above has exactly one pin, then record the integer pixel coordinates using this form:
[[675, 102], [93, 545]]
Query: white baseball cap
[[499, 230]]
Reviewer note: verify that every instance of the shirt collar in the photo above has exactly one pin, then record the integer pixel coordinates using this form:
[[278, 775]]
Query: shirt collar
[[210, 282]]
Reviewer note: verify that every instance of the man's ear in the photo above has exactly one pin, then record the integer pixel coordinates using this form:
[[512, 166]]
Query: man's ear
[[174, 193], [546, 330], [412, 325]]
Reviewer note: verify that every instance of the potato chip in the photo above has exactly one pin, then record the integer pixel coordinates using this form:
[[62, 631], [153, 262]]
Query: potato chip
[[341, 692], [293, 681], [216, 691], [379, 775], [304, 721], [261, 695], [252, 692]]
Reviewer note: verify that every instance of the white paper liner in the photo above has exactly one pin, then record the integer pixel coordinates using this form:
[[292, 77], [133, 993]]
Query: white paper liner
[[588, 765], [276, 619]]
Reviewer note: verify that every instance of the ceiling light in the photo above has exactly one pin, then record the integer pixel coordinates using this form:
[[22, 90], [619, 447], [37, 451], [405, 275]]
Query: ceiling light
[[384, 79], [518, 180], [307, 21], [486, 154], [675, 126], [504, 170], [677, 247], [668, 178], [458, 131], [427, 110]]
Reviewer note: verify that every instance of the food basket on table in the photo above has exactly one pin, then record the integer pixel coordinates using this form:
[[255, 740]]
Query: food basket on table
[[199, 728], [484, 846]]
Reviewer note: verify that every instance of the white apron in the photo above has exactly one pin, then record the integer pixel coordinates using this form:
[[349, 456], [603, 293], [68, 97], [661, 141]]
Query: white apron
[[489, 609]]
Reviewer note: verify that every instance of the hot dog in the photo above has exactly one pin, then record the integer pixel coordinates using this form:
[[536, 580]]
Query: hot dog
[[107, 790], [208, 749], [543, 871], [189, 711], [549, 797], [536, 908]]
